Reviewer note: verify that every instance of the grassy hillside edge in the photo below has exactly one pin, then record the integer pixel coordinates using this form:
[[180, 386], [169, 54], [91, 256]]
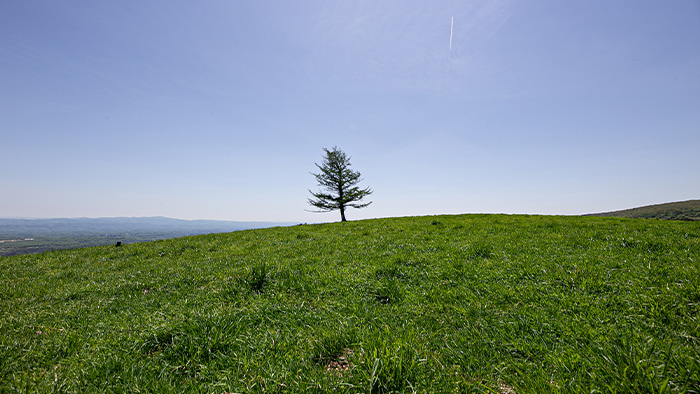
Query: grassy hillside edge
[[682, 210], [466, 303]]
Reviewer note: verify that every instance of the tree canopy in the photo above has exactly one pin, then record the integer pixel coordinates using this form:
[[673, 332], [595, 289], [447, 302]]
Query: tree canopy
[[339, 183]]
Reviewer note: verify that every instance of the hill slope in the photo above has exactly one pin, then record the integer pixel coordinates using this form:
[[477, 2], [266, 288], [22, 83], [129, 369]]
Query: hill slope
[[470, 303], [683, 210]]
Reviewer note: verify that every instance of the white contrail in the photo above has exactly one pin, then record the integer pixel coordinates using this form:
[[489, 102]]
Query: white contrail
[[451, 27]]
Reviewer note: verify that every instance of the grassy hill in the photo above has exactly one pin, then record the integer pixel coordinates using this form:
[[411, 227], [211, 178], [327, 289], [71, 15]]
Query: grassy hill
[[683, 210], [468, 303]]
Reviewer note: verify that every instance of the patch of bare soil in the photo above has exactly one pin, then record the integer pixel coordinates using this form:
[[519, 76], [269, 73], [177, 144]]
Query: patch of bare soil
[[339, 363]]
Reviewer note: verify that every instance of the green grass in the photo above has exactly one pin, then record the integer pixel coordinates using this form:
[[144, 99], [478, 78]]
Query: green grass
[[682, 210], [470, 303]]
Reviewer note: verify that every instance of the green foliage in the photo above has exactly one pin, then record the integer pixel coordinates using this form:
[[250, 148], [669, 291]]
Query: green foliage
[[258, 276], [683, 210], [468, 303], [340, 183], [388, 292]]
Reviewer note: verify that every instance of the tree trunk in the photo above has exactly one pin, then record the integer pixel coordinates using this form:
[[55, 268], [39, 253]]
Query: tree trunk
[[342, 214]]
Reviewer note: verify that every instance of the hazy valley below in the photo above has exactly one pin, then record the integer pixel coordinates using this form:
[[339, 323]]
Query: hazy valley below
[[22, 236]]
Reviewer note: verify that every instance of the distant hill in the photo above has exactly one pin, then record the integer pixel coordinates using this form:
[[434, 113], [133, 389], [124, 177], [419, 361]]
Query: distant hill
[[682, 210], [22, 236]]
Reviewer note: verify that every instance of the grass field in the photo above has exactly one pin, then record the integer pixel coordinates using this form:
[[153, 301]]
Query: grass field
[[469, 303]]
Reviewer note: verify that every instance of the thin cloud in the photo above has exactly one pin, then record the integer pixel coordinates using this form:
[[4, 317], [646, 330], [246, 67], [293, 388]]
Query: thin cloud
[[392, 46]]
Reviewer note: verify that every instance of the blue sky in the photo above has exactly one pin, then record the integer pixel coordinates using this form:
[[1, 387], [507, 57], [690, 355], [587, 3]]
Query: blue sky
[[219, 109]]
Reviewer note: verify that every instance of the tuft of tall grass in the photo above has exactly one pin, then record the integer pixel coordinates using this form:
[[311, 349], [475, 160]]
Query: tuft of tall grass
[[258, 277]]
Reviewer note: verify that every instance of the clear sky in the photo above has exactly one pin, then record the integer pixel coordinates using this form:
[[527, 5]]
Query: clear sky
[[219, 109]]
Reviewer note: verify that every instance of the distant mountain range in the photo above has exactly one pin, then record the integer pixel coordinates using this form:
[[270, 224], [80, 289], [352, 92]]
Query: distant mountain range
[[682, 210], [22, 236]]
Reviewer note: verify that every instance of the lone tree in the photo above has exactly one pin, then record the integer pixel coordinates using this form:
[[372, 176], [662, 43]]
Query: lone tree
[[339, 182]]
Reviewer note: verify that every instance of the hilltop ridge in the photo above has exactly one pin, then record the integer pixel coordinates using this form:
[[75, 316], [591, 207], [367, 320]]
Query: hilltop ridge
[[681, 210]]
